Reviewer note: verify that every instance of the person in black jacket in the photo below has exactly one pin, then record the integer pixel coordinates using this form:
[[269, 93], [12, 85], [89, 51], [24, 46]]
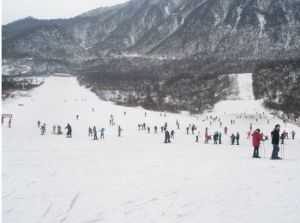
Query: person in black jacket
[[167, 137], [237, 138], [275, 142], [69, 131]]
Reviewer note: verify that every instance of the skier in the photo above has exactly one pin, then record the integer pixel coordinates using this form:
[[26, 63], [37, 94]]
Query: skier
[[102, 133], [69, 130], [232, 139], [90, 131], [54, 129], [250, 126], [119, 131], [39, 123], [162, 129], [95, 133], [275, 142], [238, 138], [139, 126], [215, 137], [148, 129], [2, 119], [193, 129], [145, 114], [165, 126], [220, 138], [187, 130], [256, 138], [206, 136], [248, 134], [293, 134], [167, 137], [225, 130], [43, 129], [177, 123], [172, 134], [155, 129], [59, 132], [77, 117], [9, 123]]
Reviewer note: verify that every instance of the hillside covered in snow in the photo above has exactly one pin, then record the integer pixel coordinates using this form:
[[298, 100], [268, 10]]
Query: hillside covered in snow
[[137, 177]]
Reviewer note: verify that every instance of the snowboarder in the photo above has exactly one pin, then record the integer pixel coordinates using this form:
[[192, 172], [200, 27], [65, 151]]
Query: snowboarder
[[69, 130], [95, 133], [167, 137], [275, 142], [102, 133], [256, 138], [238, 138], [232, 139]]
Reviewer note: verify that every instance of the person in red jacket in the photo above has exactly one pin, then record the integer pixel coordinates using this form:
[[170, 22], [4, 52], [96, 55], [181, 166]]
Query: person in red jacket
[[256, 138], [225, 130]]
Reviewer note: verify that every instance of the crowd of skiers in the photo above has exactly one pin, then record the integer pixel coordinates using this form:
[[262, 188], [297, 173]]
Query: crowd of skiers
[[257, 135], [56, 129]]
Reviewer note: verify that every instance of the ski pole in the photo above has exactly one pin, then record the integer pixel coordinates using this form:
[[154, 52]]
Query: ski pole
[[264, 149]]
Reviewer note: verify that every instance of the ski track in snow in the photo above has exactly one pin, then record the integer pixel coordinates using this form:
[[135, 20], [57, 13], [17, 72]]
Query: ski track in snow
[[136, 177]]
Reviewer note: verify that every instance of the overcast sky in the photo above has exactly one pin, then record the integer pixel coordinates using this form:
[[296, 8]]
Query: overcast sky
[[48, 9]]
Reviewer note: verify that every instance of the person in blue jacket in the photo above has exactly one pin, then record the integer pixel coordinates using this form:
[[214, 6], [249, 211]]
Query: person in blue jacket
[[102, 130]]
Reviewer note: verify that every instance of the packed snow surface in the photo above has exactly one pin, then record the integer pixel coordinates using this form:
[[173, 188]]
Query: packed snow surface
[[136, 177]]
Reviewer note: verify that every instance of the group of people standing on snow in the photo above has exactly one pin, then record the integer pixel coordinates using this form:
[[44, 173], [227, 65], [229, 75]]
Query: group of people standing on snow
[[56, 129], [93, 133], [257, 137]]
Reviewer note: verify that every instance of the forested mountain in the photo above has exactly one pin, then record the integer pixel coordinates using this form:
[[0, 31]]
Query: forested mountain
[[163, 54]]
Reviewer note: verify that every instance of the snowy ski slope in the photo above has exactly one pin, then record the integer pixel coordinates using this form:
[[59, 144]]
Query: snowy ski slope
[[137, 178]]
